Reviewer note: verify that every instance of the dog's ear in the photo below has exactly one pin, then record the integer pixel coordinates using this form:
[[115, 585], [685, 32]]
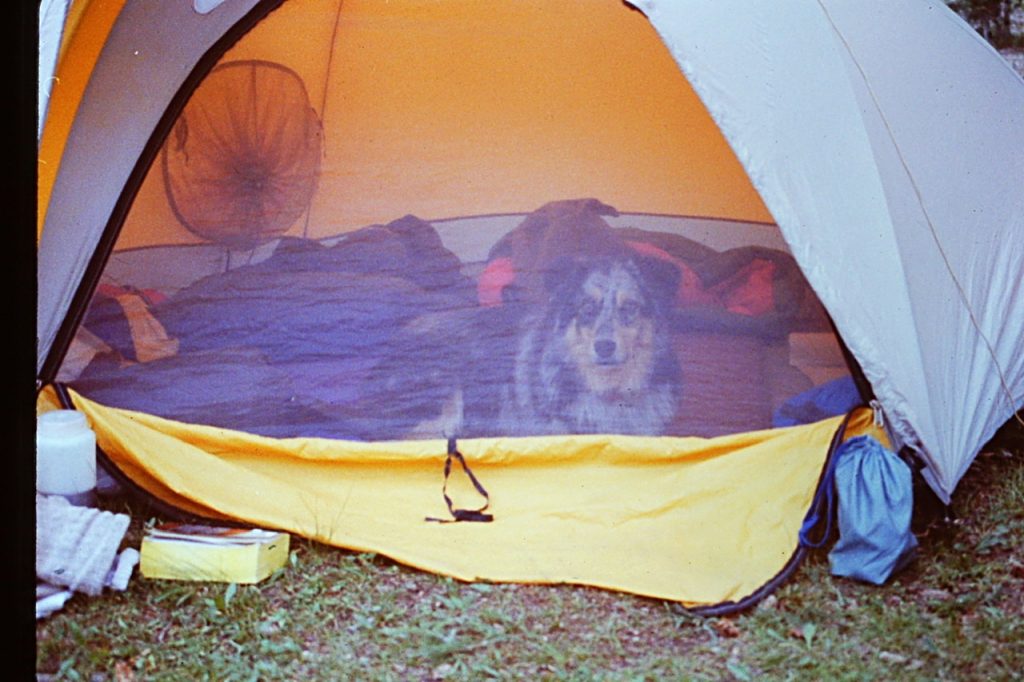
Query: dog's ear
[[662, 277]]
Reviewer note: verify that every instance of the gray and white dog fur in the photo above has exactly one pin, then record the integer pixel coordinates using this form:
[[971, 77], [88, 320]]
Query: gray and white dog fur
[[597, 357]]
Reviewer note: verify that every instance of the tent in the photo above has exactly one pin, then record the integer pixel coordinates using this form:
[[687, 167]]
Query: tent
[[800, 192]]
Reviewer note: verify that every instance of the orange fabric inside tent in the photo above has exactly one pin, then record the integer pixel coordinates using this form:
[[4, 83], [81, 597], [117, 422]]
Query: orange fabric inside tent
[[438, 109]]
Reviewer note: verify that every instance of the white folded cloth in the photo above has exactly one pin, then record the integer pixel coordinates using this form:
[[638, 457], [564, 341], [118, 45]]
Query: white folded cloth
[[76, 547]]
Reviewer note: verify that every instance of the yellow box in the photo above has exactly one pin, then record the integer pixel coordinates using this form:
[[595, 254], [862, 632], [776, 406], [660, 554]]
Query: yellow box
[[190, 552]]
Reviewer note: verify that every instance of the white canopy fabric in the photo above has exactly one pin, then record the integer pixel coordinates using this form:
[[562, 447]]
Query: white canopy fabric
[[52, 14], [885, 137]]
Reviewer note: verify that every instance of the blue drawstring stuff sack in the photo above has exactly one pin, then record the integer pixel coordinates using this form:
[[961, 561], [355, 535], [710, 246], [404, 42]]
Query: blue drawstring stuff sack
[[868, 489], [874, 489]]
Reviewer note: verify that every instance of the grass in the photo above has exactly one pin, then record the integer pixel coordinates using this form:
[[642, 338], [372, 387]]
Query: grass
[[957, 613]]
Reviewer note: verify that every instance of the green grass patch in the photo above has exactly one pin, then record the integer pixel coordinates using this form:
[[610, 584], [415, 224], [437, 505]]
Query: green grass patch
[[956, 613]]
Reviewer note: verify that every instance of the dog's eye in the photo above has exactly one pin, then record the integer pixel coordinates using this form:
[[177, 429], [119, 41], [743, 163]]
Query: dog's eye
[[588, 311], [629, 311]]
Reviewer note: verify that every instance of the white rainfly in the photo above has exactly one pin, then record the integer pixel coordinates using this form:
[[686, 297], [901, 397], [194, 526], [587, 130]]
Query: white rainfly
[[886, 138]]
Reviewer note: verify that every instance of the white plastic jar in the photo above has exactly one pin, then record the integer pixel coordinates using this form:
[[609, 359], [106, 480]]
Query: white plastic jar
[[66, 456]]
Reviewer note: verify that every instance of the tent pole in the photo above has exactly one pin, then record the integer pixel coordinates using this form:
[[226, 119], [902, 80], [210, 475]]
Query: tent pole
[[323, 99]]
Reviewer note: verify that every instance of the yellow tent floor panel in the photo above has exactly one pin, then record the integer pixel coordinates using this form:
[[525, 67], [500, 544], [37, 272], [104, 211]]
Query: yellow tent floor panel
[[694, 520]]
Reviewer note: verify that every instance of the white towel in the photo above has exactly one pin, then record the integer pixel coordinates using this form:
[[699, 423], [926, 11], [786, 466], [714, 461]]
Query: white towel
[[76, 547]]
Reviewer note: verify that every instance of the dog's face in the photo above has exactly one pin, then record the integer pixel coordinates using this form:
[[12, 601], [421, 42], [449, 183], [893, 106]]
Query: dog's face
[[611, 315], [598, 358]]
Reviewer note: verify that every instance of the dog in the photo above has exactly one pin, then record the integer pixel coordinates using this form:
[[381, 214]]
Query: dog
[[597, 356]]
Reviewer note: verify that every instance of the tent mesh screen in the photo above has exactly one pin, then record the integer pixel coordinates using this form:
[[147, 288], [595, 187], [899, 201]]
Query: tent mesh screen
[[238, 296]]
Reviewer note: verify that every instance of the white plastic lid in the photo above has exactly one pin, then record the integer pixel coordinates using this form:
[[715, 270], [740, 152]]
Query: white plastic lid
[[59, 422]]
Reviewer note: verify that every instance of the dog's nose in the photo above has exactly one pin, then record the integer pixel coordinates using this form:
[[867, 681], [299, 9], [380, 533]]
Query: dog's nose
[[604, 349]]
